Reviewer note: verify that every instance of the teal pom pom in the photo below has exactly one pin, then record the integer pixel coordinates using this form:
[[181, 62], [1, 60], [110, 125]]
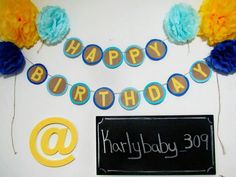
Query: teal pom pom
[[181, 24], [52, 24]]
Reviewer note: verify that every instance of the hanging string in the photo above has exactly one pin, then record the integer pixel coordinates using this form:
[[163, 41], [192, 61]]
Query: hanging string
[[14, 115], [218, 117], [188, 48], [41, 46]]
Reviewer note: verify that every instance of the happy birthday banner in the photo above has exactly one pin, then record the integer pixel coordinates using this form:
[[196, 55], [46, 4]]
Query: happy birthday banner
[[129, 98]]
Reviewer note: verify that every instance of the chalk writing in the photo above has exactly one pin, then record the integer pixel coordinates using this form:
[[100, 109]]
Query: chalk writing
[[136, 149]]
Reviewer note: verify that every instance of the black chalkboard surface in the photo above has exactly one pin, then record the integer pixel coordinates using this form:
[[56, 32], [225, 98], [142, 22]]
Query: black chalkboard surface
[[155, 145]]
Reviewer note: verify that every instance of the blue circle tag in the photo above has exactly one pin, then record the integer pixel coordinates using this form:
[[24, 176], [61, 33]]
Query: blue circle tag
[[80, 93], [57, 85], [104, 98], [156, 49], [73, 47], [92, 54], [37, 74], [154, 93], [178, 84]]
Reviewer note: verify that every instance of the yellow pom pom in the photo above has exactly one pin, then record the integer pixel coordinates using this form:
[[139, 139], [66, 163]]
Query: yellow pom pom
[[18, 22], [218, 20]]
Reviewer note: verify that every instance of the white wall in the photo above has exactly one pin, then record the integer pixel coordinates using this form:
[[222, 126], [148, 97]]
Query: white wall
[[106, 23]]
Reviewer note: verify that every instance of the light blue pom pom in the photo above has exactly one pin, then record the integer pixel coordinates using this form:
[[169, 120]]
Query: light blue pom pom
[[52, 24], [181, 24]]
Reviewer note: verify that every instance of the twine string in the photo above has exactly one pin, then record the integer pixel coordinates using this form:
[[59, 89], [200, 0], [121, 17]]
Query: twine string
[[219, 113], [14, 115]]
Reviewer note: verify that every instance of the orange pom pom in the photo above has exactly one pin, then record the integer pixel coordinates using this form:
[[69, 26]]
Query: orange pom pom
[[18, 22], [218, 20]]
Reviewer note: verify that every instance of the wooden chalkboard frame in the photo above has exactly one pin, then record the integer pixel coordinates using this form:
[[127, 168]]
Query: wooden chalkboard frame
[[210, 171]]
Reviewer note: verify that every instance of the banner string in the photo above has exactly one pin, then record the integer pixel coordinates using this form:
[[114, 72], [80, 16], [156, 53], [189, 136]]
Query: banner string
[[93, 91], [13, 117], [218, 117]]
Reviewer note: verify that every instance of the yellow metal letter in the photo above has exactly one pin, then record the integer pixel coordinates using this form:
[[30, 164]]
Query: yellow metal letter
[[57, 85]]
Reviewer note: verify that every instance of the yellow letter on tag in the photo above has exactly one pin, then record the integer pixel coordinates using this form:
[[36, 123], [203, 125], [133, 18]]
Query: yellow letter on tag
[[155, 49], [57, 85], [199, 70], [80, 91], [113, 54], [72, 48], [177, 85], [134, 53], [37, 75], [103, 94], [129, 98], [154, 92], [91, 55]]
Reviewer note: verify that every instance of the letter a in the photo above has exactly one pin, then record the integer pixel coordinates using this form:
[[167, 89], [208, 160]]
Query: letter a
[[177, 85], [91, 55]]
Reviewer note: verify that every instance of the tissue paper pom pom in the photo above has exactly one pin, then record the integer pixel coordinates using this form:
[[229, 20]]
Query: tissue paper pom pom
[[52, 24], [17, 22], [218, 20], [181, 23], [11, 58], [223, 57]]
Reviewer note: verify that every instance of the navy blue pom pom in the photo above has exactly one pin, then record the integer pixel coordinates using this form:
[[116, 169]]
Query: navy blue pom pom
[[223, 57], [11, 58]]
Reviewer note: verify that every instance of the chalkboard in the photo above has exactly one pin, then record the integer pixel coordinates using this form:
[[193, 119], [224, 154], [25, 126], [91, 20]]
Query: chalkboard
[[155, 145]]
